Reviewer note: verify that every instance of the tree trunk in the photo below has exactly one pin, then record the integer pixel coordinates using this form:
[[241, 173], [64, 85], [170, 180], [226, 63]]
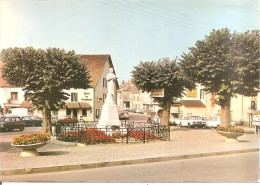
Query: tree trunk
[[225, 111], [46, 121], [166, 112]]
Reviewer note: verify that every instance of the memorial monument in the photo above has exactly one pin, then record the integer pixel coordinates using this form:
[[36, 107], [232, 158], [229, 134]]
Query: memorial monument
[[109, 115]]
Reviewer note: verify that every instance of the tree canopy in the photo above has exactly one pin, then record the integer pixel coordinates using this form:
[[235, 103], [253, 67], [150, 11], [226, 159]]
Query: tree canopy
[[166, 74], [44, 74], [226, 64]]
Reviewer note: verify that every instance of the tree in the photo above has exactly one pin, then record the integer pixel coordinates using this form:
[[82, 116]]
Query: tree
[[225, 64], [44, 74], [165, 74]]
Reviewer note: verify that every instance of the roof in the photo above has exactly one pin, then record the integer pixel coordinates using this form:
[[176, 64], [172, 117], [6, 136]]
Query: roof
[[95, 65], [3, 83], [192, 103], [76, 105]]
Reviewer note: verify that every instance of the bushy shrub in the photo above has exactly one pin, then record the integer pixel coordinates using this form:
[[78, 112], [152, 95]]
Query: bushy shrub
[[32, 138], [230, 129]]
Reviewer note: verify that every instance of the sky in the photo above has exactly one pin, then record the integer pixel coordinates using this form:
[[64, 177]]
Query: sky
[[129, 30]]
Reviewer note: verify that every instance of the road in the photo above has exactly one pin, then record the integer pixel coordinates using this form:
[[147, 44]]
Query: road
[[227, 168]]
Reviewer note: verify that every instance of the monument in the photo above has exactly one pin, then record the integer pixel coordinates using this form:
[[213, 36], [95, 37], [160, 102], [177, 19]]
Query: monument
[[109, 115]]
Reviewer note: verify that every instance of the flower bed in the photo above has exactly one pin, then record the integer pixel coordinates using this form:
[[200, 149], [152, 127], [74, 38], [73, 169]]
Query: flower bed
[[230, 129], [89, 136], [32, 138], [93, 136]]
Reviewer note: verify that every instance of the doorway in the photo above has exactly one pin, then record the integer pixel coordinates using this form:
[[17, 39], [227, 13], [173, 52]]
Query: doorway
[[75, 113]]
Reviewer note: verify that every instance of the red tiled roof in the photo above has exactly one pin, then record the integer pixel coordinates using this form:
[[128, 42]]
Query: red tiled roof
[[95, 65], [3, 83]]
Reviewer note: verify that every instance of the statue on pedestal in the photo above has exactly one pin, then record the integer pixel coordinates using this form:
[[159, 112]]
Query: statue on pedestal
[[109, 114]]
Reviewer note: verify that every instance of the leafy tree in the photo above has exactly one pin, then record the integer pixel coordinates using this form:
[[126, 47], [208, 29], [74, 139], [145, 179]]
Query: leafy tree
[[165, 74], [44, 74], [225, 64]]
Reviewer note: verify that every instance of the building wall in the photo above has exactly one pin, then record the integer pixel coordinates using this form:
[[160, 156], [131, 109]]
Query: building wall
[[5, 95], [99, 100], [84, 95], [194, 111], [240, 108]]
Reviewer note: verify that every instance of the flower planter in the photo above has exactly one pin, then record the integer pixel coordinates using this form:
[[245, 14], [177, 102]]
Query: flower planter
[[230, 136], [29, 150]]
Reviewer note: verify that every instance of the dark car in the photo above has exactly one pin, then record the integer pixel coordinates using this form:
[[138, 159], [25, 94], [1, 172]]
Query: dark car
[[31, 121], [124, 116], [11, 122]]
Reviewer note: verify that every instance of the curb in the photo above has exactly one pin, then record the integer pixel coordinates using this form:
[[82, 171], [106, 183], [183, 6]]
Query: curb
[[117, 163]]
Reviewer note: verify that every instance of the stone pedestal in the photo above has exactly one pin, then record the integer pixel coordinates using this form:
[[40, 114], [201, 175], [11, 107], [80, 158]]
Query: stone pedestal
[[109, 114]]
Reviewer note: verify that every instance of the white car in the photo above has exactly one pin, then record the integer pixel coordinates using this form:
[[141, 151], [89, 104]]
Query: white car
[[191, 121], [256, 120], [214, 122]]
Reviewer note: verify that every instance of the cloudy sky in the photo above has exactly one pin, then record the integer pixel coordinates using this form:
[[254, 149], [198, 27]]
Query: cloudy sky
[[129, 30]]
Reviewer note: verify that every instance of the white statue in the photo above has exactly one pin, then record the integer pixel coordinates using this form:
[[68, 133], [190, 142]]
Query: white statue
[[111, 78]]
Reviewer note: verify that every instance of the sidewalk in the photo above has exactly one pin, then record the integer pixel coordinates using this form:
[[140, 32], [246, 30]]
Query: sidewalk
[[60, 156]]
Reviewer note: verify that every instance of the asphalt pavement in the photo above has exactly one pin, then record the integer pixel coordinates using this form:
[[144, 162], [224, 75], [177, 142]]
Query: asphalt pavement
[[241, 167]]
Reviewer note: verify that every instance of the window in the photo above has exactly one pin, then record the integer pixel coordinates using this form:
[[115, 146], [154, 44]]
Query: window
[[104, 97], [68, 111], [202, 93], [97, 113], [14, 95], [104, 82], [84, 112], [74, 97], [137, 98]]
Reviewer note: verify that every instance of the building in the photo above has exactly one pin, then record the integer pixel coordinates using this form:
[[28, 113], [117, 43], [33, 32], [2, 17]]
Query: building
[[198, 102], [87, 103], [129, 97], [11, 97], [193, 103]]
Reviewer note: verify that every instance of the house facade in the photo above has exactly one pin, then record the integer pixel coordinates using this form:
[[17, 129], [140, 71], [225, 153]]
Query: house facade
[[87, 104], [11, 97], [129, 97]]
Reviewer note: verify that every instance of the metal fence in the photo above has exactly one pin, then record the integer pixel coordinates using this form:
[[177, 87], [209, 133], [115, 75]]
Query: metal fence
[[129, 132]]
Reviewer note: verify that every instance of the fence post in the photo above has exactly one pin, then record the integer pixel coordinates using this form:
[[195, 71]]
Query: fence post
[[158, 130], [78, 132], [144, 134]]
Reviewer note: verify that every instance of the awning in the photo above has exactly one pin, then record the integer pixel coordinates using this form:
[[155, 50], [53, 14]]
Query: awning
[[84, 105], [192, 103], [77, 105], [72, 105], [26, 104]]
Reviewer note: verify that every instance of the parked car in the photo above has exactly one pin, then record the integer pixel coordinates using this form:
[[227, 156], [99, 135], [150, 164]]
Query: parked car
[[31, 121], [123, 116], [63, 120], [172, 121], [214, 122], [191, 121], [11, 122], [140, 111]]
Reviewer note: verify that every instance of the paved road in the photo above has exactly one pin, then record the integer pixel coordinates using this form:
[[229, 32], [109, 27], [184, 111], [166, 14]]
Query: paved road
[[227, 168]]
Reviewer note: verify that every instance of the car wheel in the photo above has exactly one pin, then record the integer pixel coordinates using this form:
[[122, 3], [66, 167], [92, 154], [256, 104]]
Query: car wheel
[[189, 125], [21, 128]]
